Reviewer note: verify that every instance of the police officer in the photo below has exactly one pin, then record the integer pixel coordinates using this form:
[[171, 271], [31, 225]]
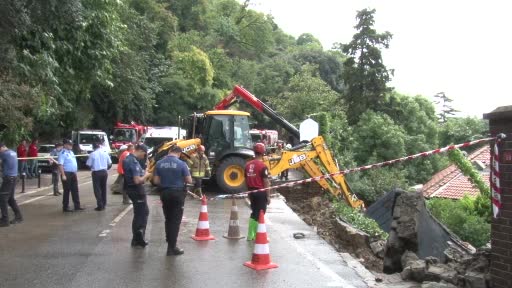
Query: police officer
[[10, 171], [99, 161], [171, 174], [68, 169], [55, 168], [256, 177], [134, 179]]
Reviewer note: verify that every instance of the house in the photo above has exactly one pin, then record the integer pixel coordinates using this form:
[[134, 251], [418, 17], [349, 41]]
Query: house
[[451, 183]]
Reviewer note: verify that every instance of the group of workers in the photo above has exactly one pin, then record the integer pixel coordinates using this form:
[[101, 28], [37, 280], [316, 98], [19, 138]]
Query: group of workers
[[171, 175]]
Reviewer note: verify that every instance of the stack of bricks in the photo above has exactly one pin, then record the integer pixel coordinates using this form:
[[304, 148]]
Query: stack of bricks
[[500, 121]]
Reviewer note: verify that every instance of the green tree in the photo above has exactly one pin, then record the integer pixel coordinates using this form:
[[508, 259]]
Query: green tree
[[446, 109], [365, 75], [462, 129]]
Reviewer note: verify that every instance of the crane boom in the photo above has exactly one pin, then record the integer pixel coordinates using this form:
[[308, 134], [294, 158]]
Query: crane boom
[[241, 93]]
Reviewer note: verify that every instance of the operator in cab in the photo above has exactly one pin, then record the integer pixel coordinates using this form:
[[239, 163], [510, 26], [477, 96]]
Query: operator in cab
[[134, 178], [171, 175], [257, 177]]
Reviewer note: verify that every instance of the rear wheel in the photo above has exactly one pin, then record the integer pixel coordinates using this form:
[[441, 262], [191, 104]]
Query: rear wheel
[[230, 175]]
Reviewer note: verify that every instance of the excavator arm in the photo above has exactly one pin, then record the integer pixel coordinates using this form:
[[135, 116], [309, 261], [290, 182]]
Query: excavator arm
[[188, 147], [307, 160]]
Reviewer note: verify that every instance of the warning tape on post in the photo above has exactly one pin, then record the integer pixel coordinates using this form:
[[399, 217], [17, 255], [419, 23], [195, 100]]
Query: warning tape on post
[[362, 168]]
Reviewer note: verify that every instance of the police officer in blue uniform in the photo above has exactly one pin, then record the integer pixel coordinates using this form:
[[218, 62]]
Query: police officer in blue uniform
[[134, 178], [171, 174], [68, 169], [100, 162], [10, 170]]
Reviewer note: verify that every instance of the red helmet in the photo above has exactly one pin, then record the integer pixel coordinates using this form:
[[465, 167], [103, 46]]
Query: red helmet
[[259, 148], [201, 148]]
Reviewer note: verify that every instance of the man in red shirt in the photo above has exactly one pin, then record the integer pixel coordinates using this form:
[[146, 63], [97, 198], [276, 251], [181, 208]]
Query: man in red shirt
[[256, 177], [32, 163], [22, 153]]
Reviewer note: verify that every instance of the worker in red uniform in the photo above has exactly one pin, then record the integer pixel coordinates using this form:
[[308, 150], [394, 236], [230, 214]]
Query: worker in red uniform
[[33, 169], [22, 153], [257, 177]]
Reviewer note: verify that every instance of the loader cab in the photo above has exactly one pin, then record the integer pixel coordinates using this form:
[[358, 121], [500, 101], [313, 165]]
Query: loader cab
[[225, 136], [221, 131]]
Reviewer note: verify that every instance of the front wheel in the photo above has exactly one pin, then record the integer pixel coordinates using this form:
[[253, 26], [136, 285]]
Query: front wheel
[[230, 175]]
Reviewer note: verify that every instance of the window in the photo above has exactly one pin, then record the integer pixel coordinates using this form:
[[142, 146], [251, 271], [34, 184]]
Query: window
[[241, 131], [125, 135]]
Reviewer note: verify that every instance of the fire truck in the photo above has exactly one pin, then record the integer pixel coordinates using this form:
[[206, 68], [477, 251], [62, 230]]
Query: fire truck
[[267, 137], [123, 134]]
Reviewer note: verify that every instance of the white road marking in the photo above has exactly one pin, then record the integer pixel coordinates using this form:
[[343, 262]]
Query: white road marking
[[104, 233], [121, 215], [34, 199], [49, 194], [336, 280]]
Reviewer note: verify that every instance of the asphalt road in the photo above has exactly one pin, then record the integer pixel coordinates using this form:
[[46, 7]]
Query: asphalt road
[[92, 249]]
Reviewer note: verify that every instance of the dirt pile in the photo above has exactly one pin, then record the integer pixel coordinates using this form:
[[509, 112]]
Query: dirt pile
[[309, 202]]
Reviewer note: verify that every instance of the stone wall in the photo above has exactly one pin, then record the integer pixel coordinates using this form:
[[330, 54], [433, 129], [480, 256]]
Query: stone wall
[[500, 121]]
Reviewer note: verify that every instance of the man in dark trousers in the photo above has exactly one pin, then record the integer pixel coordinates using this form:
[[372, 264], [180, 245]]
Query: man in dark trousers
[[256, 177], [134, 179], [10, 171], [99, 161], [68, 169], [54, 154], [171, 174], [33, 169]]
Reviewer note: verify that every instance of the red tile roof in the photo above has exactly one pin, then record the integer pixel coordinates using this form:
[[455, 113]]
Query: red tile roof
[[451, 183]]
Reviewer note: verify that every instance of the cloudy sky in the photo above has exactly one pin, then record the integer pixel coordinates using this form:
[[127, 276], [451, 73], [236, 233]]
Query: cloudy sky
[[462, 48]]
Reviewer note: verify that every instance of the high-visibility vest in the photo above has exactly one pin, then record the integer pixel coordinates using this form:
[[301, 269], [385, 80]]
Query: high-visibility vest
[[199, 165]]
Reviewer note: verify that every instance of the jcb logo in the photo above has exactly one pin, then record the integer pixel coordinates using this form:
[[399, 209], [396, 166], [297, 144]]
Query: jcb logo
[[189, 148], [296, 159]]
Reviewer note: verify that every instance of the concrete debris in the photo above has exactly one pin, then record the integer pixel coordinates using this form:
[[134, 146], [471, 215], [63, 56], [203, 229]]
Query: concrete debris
[[437, 285], [475, 280], [378, 247], [408, 257]]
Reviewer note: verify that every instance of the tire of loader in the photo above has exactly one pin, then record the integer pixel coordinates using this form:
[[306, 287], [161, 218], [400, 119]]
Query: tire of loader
[[230, 175]]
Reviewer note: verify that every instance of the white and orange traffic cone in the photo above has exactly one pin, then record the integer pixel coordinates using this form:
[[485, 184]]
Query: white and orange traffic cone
[[234, 225], [261, 256], [203, 227]]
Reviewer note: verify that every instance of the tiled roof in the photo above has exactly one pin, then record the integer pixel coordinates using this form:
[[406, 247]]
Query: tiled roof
[[451, 183]]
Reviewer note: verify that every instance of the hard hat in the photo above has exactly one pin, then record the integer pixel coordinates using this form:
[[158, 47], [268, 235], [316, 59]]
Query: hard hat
[[123, 147], [259, 148], [200, 148], [288, 146]]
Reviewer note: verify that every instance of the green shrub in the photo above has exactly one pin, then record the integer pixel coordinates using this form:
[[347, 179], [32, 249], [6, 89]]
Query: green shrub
[[462, 218], [359, 220]]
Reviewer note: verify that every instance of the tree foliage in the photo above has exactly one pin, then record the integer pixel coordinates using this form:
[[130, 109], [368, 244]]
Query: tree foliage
[[365, 75]]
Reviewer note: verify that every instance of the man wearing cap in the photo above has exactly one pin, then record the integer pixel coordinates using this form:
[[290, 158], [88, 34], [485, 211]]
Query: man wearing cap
[[171, 174], [134, 178], [256, 177], [54, 154], [10, 171], [68, 169], [99, 161]]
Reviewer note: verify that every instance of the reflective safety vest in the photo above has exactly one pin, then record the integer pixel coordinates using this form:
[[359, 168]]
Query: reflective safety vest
[[199, 165]]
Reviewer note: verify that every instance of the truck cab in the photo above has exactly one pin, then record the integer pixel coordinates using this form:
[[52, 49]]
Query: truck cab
[[83, 141]]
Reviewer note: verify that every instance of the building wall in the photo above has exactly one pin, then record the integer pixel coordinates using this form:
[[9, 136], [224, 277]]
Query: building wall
[[501, 232]]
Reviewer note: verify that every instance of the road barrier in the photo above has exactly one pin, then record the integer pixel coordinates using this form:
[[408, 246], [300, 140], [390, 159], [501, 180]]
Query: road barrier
[[361, 168]]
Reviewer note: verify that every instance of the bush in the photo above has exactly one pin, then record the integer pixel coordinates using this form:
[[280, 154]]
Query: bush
[[462, 218], [359, 220]]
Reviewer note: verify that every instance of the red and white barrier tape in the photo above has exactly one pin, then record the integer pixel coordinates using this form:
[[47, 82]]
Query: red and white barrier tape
[[362, 168], [495, 177]]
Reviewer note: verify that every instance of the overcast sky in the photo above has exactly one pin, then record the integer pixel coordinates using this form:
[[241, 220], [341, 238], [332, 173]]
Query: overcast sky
[[462, 48]]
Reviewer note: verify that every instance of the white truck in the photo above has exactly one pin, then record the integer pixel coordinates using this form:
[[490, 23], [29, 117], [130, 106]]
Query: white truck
[[158, 135], [83, 140]]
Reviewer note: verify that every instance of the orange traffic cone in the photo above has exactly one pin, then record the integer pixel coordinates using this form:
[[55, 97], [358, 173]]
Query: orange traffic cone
[[234, 225], [203, 227], [261, 256]]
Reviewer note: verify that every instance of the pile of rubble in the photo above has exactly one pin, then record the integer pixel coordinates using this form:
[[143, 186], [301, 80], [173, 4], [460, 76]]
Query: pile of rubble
[[459, 265]]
